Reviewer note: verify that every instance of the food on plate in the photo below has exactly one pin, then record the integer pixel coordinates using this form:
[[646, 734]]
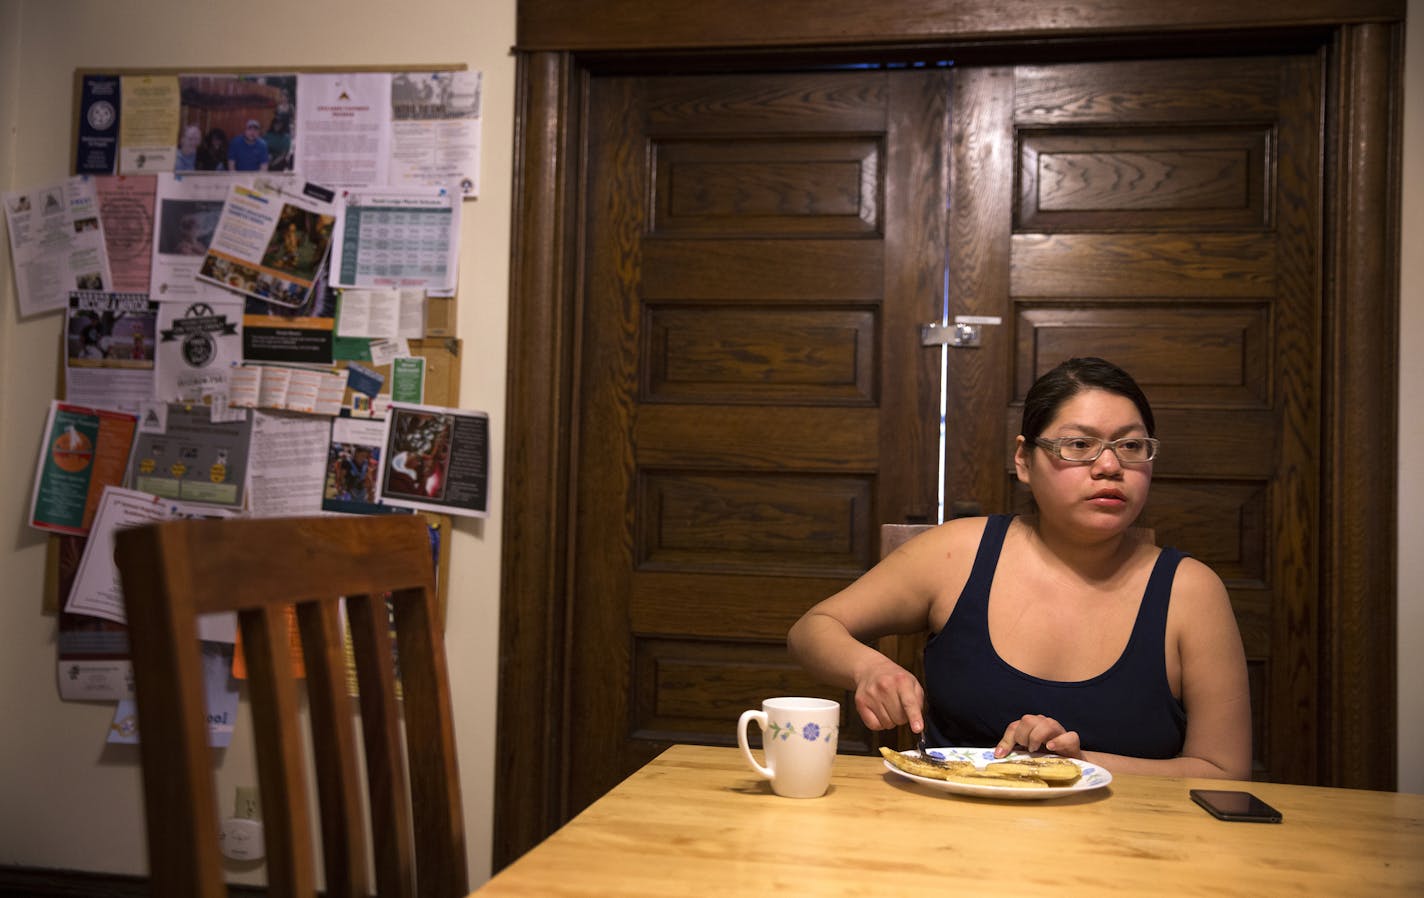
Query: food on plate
[[1001, 780], [1054, 771], [913, 764], [1030, 773]]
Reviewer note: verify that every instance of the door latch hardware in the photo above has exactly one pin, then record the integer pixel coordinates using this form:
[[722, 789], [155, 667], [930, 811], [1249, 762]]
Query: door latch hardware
[[964, 333]]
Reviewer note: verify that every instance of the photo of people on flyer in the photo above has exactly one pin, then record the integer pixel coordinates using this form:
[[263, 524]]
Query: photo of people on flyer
[[436, 459], [421, 444]]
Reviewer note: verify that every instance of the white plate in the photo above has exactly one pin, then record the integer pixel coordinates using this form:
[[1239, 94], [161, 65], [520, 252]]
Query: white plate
[[1093, 776]]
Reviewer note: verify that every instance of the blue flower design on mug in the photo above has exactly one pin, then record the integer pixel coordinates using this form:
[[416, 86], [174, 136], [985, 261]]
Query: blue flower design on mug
[[811, 732]]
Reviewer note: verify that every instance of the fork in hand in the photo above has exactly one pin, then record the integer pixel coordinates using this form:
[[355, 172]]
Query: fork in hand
[[924, 751]]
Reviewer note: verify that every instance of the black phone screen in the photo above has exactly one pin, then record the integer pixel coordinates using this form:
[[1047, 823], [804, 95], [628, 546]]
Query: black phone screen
[[1225, 804]]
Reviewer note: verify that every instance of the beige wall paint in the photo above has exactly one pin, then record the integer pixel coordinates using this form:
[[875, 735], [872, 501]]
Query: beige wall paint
[[65, 799]]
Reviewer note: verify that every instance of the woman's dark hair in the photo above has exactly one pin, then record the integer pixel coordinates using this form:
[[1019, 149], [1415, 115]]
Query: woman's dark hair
[[1072, 377]]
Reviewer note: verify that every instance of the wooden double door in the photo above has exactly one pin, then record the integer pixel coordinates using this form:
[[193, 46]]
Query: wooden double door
[[759, 255]]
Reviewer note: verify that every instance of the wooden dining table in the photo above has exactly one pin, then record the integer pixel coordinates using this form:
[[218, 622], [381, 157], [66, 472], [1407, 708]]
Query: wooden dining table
[[696, 821]]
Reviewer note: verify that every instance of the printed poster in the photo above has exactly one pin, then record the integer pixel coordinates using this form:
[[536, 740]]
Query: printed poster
[[84, 450], [220, 707], [96, 590], [187, 208], [194, 459], [353, 464], [56, 243], [97, 152], [398, 239], [344, 133], [435, 131], [436, 459], [198, 343], [126, 211], [109, 349], [148, 131], [271, 242]]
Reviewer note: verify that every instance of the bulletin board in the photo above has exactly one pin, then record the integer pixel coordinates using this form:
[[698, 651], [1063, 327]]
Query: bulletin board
[[225, 100]]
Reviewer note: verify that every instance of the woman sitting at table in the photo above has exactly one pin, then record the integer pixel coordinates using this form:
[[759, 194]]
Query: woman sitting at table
[[1066, 631]]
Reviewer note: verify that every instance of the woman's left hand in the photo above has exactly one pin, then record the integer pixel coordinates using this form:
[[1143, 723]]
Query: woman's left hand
[[1034, 731]]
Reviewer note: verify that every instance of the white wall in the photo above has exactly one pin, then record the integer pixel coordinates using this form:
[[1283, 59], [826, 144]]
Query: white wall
[[65, 800], [68, 802]]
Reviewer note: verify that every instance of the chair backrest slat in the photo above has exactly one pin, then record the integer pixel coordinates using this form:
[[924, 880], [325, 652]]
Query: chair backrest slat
[[439, 823], [179, 775], [281, 772], [371, 645], [334, 741]]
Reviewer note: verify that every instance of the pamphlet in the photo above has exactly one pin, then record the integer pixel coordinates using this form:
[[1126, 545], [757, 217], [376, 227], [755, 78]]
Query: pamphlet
[[271, 241], [96, 589], [436, 459], [198, 343], [85, 449], [109, 347], [56, 243], [195, 458], [408, 238], [219, 688]]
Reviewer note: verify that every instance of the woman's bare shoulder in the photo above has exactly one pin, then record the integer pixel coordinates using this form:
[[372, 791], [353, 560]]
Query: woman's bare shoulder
[[945, 547], [1198, 592], [954, 534], [1197, 577]]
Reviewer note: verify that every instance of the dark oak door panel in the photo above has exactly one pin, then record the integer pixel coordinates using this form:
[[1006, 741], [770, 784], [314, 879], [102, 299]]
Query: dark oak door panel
[[1165, 216], [759, 251]]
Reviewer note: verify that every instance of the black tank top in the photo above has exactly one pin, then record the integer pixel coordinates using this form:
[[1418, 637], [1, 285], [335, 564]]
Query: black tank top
[[973, 694]]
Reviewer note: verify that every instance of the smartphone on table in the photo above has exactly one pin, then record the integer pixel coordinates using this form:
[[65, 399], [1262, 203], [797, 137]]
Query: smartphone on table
[[1238, 807]]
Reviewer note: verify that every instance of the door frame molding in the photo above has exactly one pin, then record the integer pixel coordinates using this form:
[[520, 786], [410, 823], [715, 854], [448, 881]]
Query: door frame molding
[[560, 46]]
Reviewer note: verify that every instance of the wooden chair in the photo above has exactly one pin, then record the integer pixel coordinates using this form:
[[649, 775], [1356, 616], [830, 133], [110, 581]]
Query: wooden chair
[[172, 572]]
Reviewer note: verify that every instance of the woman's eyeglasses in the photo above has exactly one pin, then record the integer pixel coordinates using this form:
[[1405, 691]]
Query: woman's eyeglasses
[[1129, 450]]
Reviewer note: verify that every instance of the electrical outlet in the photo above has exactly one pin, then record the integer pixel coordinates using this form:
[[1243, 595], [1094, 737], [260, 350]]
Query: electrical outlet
[[241, 835], [249, 805]]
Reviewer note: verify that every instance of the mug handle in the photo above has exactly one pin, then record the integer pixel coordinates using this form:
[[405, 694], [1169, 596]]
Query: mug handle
[[760, 718]]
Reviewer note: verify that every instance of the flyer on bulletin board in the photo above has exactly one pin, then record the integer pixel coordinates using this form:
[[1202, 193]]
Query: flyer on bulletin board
[[56, 243], [85, 449], [220, 708], [194, 458], [96, 590], [97, 151], [271, 241], [436, 459]]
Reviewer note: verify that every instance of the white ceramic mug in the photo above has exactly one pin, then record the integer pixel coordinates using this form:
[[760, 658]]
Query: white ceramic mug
[[798, 737]]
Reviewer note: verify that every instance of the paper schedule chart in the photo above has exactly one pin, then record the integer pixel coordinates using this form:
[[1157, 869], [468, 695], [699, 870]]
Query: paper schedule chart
[[397, 239]]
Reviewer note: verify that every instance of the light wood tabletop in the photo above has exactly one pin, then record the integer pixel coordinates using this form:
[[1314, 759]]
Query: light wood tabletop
[[697, 821]]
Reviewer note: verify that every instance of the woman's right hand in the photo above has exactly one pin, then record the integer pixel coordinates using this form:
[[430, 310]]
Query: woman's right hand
[[887, 695]]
